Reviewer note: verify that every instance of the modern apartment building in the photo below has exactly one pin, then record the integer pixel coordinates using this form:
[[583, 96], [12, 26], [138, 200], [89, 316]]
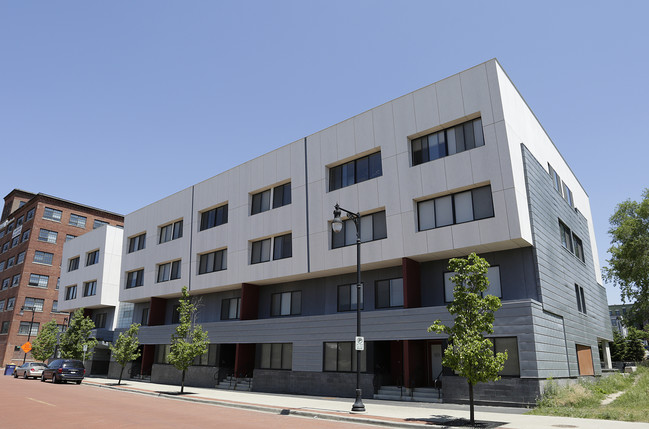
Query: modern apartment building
[[33, 229], [459, 166]]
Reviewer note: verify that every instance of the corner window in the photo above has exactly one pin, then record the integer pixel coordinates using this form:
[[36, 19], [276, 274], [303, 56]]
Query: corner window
[[52, 214], [373, 227], [90, 288], [92, 258], [230, 308], [356, 171], [70, 292], [135, 278], [171, 231], [341, 357], [77, 220], [347, 297], [286, 303], [494, 288], [276, 356], [136, 243], [213, 261], [73, 264], [214, 217], [456, 208], [43, 258], [459, 138], [389, 293], [168, 271]]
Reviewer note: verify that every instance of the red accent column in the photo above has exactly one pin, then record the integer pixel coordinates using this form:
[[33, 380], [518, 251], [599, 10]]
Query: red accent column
[[244, 363], [411, 283], [148, 356], [249, 302], [157, 309]]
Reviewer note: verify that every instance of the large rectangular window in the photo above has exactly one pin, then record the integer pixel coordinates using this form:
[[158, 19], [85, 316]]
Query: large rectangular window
[[52, 214], [100, 320], [457, 208], [90, 288], [261, 201], [347, 297], [168, 271], [171, 231], [209, 358], [214, 217], [373, 227], [70, 292], [135, 278], [43, 258], [276, 356], [389, 293], [459, 138], [282, 195], [494, 288], [260, 251], [213, 261], [510, 345], [282, 246], [35, 303], [38, 280], [341, 357], [92, 258], [73, 264], [136, 243], [356, 171], [571, 241], [24, 328], [286, 303], [230, 308], [77, 220]]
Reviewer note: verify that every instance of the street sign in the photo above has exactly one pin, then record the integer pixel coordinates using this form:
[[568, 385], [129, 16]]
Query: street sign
[[85, 347], [360, 343], [26, 347]]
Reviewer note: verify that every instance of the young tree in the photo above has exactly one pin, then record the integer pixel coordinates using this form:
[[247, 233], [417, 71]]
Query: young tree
[[617, 347], [634, 350], [189, 340], [629, 264], [76, 336], [44, 344], [469, 353], [125, 349]]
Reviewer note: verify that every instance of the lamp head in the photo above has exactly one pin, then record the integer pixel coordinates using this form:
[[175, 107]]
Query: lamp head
[[337, 223]]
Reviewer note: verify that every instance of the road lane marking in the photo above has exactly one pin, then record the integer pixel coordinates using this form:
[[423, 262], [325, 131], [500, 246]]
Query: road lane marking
[[41, 402]]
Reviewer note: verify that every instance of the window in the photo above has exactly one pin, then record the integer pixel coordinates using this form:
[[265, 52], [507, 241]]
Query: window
[[58, 283], [567, 195], [24, 328], [5, 247], [35, 303], [26, 235], [579, 247], [493, 274], [260, 202], [5, 283], [566, 237], [459, 138], [282, 195], [43, 257], [581, 300], [73, 264], [2, 266], [20, 220], [136, 243], [373, 227], [556, 180], [260, 251], [77, 220], [283, 247], [2, 233], [356, 171], [144, 320], [341, 357], [5, 328], [52, 214], [90, 288], [457, 208], [92, 258], [10, 227], [214, 261], [69, 237], [214, 217], [38, 280], [389, 293], [16, 280], [168, 271], [135, 278], [286, 303], [347, 296], [55, 306], [11, 262], [100, 320], [30, 213], [70, 292], [2, 305], [21, 258], [171, 231], [10, 303], [15, 241], [230, 308], [208, 358], [98, 223], [276, 356], [510, 345], [161, 353], [47, 236]]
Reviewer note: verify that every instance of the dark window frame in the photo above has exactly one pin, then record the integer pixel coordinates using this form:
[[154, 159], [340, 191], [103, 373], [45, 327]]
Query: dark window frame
[[433, 146], [226, 304], [219, 261], [294, 304], [354, 171], [214, 217]]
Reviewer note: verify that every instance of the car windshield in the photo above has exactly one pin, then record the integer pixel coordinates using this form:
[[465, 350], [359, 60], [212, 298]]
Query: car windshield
[[38, 365]]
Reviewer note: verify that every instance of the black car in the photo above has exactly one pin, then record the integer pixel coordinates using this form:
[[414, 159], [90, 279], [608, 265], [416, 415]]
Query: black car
[[62, 370]]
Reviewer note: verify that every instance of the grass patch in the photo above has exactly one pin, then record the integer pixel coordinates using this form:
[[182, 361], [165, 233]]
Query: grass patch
[[583, 399]]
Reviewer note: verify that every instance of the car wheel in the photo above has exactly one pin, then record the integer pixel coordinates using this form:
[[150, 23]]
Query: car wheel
[[78, 381], [54, 378], [25, 375], [42, 379], [15, 374]]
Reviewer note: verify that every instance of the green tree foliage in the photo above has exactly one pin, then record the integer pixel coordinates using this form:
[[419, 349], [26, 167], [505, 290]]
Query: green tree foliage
[[189, 340], [628, 267], [634, 350], [125, 348], [617, 347], [44, 344], [76, 336], [469, 353]]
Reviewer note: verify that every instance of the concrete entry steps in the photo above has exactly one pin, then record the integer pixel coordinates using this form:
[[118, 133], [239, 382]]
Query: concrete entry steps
[[418, 394], [233, 383]]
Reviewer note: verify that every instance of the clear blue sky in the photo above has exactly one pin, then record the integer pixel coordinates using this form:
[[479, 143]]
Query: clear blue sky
[[118, 104]]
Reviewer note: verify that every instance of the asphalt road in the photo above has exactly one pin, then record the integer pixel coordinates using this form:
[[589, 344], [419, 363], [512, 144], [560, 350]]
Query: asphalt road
[[32, 404]]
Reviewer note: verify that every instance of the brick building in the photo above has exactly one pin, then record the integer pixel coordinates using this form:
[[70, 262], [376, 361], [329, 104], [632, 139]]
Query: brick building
[[33, 229]]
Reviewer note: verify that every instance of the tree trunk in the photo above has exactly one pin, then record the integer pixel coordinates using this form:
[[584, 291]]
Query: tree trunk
[[471, 413], [182, 383], [120, 376]]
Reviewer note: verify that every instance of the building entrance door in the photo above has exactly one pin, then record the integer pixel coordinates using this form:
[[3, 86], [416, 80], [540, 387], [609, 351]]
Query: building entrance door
[[435, 363]]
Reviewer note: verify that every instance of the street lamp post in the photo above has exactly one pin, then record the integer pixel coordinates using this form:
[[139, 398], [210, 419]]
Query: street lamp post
[[29, 335], [337, 226]]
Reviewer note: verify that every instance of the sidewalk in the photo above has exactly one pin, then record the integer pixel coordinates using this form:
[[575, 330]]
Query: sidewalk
[[381, 413]]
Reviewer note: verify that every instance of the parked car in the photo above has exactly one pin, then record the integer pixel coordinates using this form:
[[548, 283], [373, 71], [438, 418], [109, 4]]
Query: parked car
[[29, 369], [63, 370]]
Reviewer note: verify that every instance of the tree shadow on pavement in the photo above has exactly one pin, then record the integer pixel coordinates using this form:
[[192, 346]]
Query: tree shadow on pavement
[[454, 422], [174, 393]]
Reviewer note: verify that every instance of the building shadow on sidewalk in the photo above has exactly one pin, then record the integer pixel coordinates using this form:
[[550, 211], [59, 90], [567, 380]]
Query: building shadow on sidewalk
[[174, 393], [454, 422]]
